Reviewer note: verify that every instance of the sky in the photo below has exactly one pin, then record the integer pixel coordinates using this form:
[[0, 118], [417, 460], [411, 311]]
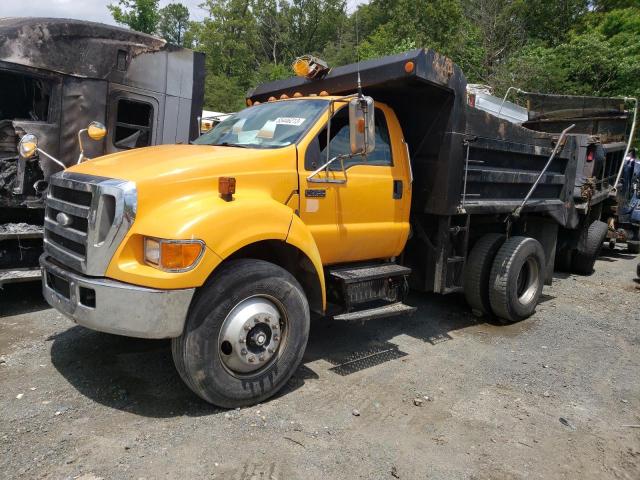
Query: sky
[[94, 10]]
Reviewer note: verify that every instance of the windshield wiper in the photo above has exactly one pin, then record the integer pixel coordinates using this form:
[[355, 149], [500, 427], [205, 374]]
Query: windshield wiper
[[228, 144]]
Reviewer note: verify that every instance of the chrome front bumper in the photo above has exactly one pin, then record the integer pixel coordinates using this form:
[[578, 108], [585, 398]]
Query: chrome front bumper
[[115, 307]]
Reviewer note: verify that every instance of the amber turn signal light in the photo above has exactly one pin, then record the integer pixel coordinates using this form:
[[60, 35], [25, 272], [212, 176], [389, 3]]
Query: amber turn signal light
[[172, 255], [409, 67], [226, 188]]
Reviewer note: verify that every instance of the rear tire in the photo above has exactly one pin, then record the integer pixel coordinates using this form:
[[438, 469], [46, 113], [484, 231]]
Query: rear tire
[[584, 260], [517, 279], [478, 270], [245, 334]]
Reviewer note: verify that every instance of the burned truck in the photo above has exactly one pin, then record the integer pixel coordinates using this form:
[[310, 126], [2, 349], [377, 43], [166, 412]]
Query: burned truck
[[57, 76]]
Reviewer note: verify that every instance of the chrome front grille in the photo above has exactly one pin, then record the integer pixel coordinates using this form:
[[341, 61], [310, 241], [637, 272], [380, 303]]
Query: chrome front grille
[[86, 218]]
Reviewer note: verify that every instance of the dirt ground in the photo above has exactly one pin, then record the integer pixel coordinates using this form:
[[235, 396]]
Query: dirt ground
[[550, 397]]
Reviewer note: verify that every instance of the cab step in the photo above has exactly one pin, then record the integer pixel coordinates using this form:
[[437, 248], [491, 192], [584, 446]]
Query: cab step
[[384, 311], [353, 285], [369, 272], [19, 275]]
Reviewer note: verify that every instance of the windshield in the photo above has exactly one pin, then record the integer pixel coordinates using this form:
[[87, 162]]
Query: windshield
[[268, 125]]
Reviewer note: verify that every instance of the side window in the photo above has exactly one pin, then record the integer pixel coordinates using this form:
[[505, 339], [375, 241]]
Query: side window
[[134, 123], [339, 144]]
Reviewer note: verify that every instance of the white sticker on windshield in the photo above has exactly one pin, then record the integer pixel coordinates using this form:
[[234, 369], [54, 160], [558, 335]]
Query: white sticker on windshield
[[294, 121], [237, 127]]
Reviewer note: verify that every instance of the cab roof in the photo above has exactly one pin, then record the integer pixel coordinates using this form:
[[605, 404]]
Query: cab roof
[[72, 47]]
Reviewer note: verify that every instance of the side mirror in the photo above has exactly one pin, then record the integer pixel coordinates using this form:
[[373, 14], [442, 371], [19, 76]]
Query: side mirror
[[362, 126], [96, 131], [28, 145]]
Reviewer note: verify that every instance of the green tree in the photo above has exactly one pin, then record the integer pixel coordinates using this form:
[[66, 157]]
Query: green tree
[[139, 15], [561, 46], [173, 23], [313, 24], [550, 21]]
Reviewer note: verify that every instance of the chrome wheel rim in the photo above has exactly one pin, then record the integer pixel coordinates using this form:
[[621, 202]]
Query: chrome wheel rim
[[528, 280], [252, 335]]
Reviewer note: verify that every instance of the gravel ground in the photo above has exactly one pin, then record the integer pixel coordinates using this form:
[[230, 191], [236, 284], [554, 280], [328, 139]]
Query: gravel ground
[[440, 395]]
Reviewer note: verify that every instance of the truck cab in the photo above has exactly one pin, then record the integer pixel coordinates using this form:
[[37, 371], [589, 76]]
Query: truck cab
[[333, 192]]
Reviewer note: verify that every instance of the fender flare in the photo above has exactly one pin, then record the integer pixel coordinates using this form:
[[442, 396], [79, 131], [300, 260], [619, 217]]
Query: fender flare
[[300, 237]]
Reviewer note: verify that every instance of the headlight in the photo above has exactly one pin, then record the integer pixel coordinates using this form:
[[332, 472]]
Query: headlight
[[172, 255]]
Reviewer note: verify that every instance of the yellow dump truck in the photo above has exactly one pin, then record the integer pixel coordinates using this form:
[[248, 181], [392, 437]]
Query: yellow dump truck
[[334, 192]]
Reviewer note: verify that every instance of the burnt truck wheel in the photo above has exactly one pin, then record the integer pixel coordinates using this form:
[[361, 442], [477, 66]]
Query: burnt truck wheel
[[584, 259], [245, 334], [517, 278], [477, 272]]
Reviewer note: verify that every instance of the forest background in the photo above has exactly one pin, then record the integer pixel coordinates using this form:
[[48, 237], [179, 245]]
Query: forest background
[[567, 46]]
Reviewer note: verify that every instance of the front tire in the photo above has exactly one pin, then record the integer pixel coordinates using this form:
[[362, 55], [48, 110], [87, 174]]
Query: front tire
[[517, 278], [245, 334]]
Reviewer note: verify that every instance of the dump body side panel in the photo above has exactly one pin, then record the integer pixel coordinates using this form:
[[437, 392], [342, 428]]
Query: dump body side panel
[[427, 92]]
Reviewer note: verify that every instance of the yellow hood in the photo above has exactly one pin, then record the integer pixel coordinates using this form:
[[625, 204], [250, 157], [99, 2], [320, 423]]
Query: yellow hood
[[170, 164]]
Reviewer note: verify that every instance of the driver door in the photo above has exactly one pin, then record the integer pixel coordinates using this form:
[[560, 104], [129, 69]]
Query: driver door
[[367, 217]]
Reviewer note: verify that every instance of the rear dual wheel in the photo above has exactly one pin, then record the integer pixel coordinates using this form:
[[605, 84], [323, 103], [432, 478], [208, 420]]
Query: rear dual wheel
[[505, 277], [517, 279], [245, 334]]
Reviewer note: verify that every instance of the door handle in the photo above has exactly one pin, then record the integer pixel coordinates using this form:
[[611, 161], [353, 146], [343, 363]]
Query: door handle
[[397, 189]]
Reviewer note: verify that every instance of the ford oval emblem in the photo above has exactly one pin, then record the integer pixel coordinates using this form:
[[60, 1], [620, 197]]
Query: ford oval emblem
[[63, 219]]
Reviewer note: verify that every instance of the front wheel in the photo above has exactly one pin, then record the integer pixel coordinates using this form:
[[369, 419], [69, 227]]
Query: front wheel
[[245, 334]]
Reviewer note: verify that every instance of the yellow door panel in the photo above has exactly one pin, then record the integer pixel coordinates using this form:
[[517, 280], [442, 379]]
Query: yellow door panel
[[360, 219]]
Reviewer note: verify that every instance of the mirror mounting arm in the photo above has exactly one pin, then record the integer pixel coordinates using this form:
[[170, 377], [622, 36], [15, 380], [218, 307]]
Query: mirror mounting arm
[[52, 158], [81, 157]]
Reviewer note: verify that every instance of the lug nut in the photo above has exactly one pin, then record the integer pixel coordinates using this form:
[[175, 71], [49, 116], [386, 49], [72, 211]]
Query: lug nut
[[276, 338], [252, 359], [271, 350], [266, 319], [256, 320], [243, 351], [247, 328], [241, 340], [261, 358]]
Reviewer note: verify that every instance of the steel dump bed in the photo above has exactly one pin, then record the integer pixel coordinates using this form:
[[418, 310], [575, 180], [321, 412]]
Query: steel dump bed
[[463, 159]]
